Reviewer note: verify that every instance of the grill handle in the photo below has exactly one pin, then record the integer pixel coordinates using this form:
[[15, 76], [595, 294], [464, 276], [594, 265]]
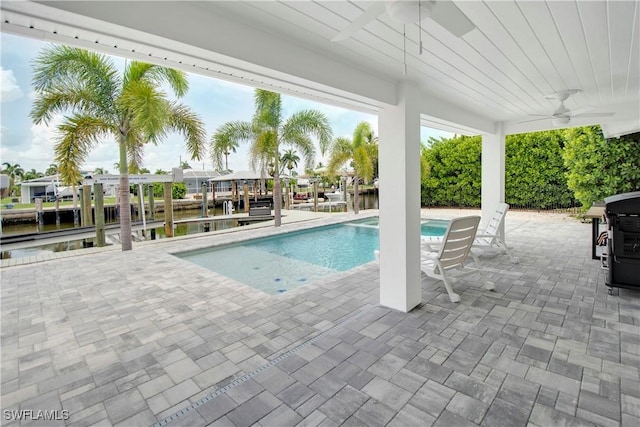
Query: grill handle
[[604, 261]]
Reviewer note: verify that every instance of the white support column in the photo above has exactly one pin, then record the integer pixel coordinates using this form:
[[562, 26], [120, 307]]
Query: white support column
[[399, 154], [493, 173]]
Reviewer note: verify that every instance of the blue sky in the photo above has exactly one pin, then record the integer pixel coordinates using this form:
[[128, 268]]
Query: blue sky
[[216, 102]]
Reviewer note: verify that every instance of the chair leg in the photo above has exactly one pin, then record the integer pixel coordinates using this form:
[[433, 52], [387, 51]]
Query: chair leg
[[502, 245], [476, 260], [452, 295]]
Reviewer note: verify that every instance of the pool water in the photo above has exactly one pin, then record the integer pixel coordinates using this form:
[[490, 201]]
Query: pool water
[[281, 263], [428, 227]]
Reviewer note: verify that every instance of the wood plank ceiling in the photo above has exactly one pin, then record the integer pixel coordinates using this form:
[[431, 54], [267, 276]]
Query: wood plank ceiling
[[519, 52]]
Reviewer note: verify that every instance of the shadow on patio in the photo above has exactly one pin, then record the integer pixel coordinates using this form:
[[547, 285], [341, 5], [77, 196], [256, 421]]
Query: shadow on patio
[[143, 338]]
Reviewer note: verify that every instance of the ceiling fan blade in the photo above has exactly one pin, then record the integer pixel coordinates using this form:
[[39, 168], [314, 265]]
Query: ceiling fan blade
[[594, 115], [451, 18], [538, 119], [375, 10]]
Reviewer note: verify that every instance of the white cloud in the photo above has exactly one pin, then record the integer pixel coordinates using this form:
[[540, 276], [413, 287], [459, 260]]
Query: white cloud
[[35, 153], [9, 88]]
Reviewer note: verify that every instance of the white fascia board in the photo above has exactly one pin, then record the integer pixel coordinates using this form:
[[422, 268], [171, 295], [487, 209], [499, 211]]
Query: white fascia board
[[235, 47], [452, 117], [615, 130]]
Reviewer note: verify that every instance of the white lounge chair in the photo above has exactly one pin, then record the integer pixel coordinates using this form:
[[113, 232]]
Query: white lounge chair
[[489, 239], [452, 252]]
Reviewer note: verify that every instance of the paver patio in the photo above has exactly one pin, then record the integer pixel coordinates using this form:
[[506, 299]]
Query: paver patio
[[144, 338]]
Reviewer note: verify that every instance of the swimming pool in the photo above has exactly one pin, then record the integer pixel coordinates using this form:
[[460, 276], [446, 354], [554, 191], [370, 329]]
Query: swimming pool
[[428, 227], [281, 263]]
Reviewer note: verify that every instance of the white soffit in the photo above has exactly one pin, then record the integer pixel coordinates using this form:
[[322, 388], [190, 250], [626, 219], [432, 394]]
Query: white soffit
[[498, 72], [46, 23]]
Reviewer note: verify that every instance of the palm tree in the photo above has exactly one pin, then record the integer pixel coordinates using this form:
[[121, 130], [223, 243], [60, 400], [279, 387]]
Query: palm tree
[[32, 174], [15, 173], [97, 102], [51, 170], [289, 160], [361, 151], [100, 171], [269, 129], [221, 145], [185, 165]]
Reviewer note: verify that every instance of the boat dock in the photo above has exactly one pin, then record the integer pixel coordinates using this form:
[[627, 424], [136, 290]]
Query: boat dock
[[243, 219], [32, 240], [35, 239]]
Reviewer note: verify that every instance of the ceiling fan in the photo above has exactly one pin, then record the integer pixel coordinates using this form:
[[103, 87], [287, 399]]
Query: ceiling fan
[[562, 115], [444, 12]]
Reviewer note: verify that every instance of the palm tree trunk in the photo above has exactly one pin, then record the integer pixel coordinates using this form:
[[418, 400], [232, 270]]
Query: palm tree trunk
[[125, 209], [226, 161], [277, 198], [356, 195]]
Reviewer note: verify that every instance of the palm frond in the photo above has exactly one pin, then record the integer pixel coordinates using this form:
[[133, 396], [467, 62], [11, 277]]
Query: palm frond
[[157, 76], [263, 150], [308, 122], [341, 152], [183, 120], [268, 109], [61, 69], [146, 108], [227, 137], [135, 150], [362, 134], [76, 136], [61, 100], [362, 163]]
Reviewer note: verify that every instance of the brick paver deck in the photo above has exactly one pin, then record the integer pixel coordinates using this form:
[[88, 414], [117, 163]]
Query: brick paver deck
[[143, 337]]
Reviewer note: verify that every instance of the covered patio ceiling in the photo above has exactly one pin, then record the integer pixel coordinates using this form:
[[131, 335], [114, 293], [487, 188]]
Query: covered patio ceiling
[[495, 76]]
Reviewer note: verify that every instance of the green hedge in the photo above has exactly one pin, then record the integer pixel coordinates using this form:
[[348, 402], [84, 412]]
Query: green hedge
[[453, 177], [597, 168], [535, 173]]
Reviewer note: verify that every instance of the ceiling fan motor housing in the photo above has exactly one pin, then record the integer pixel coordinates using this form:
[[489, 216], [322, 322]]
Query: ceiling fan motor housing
[[561, 109], [560, 121], [409, 12]]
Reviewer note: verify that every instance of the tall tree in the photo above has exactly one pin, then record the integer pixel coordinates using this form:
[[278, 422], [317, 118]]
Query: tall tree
[[222, 144], [52, 169], [32, 174], [361, 152], [269, 129], [15, 172], [289, 160], [99, 102]]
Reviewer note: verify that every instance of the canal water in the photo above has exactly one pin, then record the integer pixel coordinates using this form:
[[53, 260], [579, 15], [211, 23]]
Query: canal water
[[367, 201]]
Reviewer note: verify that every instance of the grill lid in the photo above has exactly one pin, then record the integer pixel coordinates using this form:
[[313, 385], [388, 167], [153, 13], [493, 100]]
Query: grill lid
[[625, 203]]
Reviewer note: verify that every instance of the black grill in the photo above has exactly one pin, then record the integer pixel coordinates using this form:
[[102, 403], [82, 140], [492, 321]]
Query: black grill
[[623, 249]]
